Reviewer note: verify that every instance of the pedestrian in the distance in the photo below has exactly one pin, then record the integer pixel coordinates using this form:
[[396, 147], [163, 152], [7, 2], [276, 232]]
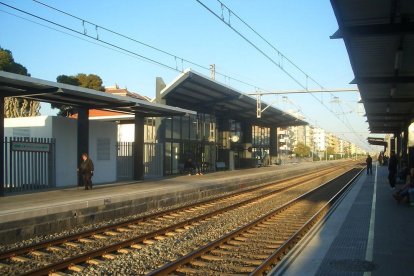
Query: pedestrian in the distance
[[392, 170], [86, 171], [369, 164]]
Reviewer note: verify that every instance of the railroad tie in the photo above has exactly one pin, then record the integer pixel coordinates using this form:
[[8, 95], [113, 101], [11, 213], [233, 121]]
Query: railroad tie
[[136, 246], [39, 253], [94, 262], [76, 268], [109, 256], [85, 240], [20, 259], [57, 273]]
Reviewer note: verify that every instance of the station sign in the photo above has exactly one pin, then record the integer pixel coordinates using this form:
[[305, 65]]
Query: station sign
[[30, 146]]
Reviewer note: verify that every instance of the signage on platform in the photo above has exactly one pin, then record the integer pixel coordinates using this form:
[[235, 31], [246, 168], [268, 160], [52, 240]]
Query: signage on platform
[[30, 146]]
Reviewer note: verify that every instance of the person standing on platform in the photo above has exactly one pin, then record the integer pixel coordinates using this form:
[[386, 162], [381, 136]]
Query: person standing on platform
[[392, 170], [86, 171], [369, 164]]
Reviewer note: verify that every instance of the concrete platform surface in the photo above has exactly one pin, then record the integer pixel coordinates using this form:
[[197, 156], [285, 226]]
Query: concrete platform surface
[[369, 233], [27, 215]]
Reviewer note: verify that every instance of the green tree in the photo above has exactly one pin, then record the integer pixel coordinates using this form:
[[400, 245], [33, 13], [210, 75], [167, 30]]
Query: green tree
[[330, 151], [91, 81], [16, 107], [301, 150]]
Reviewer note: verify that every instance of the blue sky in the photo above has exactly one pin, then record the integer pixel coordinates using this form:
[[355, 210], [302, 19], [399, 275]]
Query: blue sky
[[299, 29]]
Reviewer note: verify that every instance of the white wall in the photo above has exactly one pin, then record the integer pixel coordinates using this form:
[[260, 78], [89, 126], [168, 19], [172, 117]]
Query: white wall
[[65, 132], [105, 170], [40, 126]]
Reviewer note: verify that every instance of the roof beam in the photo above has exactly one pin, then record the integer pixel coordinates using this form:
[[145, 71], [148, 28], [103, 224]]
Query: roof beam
[[391, 79], [387, 100], [384, 114], [374, 30]]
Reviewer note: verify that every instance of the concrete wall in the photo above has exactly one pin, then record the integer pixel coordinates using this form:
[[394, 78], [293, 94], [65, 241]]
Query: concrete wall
[[64, 130], [105, 170]]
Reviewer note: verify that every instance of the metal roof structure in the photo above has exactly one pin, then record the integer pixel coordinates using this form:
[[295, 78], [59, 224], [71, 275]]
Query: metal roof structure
[[197, 92], [14, 85], [377, 141], [379, 37]]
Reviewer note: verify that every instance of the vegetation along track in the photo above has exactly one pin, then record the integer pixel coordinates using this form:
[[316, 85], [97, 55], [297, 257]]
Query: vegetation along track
[[93, 248]]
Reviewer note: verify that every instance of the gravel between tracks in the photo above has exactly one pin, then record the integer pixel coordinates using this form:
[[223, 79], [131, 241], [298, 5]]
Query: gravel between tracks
[[150, 257]]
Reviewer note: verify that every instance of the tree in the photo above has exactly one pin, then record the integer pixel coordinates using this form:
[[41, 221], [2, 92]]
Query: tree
[[330, 151], [16, 107], [88, 81], [301, 150]]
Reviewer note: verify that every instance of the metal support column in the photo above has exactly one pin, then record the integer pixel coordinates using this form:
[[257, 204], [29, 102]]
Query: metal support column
[[2, 173], [392, 144], [398, 146], [273, 142], [83, 134], [139, 148]]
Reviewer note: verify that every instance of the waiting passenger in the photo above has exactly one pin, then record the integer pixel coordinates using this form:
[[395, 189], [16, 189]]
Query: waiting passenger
[[392, 170], [189, 166], [86, 171], [406, 193], [380, 159], [369, 165]]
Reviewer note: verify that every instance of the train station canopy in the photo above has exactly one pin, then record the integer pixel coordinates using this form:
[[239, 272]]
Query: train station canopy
[[379, 37], [197, 92], [14, 85], [377, 141]]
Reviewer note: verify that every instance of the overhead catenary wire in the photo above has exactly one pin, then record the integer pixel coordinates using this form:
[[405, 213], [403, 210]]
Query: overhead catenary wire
[[99, 41], [176, 57], [280, 54]]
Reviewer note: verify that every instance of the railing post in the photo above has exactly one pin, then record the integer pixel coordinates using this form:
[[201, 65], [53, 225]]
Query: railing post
[[2, 174]]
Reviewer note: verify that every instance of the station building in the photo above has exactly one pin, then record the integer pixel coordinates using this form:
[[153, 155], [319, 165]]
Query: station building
[[193, 117], [225, 133]]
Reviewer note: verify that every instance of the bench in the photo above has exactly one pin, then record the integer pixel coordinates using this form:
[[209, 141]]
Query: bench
[[220, 166]]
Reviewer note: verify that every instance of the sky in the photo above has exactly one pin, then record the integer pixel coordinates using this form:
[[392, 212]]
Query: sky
[[185, 29]]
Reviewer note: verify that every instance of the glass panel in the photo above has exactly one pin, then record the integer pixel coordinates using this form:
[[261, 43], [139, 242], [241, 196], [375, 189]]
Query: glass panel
[[168, 127], [185, 128], [168, 158], [175, 158], [193, 127], [176, 127]]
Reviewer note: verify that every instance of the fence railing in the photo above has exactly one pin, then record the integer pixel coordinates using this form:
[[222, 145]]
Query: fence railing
[[153, 160], [29, 164]]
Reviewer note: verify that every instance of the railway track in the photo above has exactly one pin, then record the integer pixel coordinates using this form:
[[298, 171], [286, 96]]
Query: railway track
[[256, 247], [92, 248]]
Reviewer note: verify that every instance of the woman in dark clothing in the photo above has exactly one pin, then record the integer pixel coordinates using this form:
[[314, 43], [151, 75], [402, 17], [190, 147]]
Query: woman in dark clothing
[[86, 171]]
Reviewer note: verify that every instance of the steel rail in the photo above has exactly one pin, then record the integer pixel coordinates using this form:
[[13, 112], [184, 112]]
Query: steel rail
[[172, 266], [91, 232], [139, 239], [280, 252]]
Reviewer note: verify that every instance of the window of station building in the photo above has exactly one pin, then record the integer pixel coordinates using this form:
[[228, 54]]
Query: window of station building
[[168, 155], [261, 136], [168, 127], [176, 127], [235, 128], [193, 127], [150, 133], [185, 127]]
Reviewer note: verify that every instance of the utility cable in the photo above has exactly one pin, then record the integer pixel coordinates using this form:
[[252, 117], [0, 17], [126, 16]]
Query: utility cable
[[221, 18]]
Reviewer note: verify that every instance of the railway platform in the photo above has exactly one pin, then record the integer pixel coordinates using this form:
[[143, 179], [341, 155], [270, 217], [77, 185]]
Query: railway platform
[[28, 215], [368, 233]]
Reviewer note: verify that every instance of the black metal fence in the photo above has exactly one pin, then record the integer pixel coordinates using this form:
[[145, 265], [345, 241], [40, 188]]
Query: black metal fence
[[153, 160], [29, 164]]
